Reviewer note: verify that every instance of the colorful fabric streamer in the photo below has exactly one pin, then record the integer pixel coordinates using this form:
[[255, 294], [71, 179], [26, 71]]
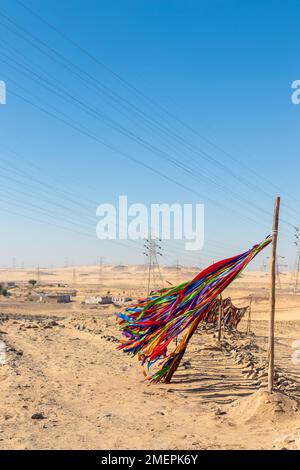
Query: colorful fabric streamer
[[150, 325]]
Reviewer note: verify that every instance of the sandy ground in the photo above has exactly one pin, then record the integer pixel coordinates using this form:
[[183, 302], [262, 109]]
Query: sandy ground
[[65, 386]]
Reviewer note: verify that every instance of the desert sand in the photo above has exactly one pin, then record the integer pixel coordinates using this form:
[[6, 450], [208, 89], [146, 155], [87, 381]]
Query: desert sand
[[64, 385]]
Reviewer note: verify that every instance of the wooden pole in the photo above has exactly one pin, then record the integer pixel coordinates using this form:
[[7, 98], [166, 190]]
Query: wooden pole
[[297, 274], [249, 315], [273, 295], [220, 318]]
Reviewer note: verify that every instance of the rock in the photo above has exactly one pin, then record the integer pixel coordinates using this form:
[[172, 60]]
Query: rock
[[288, 442], [38, 416], [219, 412], [291, 387], [249, 364], [51, 324], [281, 381], [187, 365]]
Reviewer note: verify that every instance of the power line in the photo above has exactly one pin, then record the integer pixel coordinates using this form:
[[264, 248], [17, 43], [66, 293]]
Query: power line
[[172, 161], [81, 129], [143, 95], [266, 212], [148, 99]]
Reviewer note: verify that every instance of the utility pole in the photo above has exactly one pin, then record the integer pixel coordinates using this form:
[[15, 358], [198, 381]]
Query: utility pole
[[297, 243], [38, 274], [273, 295], [278, 266], [297, 273], [100, 268], [220, 317], [264, 265], [249, 315], [178, 268], [153, 250], [74, 277]]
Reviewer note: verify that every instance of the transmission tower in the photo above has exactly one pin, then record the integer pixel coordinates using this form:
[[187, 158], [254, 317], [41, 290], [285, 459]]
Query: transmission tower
[[38, 274], [153, 251], [279, 264], [264, 265], [74, 277], [297, 264], [100, 268], [178, 269]]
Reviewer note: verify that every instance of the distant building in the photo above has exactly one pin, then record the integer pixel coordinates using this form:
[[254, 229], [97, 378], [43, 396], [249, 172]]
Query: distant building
[[7, 284], [63, 298], [53, 297], [119, 301], [99, 300], [71, 293], [93, 300]]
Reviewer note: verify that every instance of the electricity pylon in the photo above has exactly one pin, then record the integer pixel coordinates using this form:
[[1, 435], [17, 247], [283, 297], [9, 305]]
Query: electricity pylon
[[153, 251], [38, 274], [297, 264], [278, 266], [74, 277], [100, 268], [178, 269]]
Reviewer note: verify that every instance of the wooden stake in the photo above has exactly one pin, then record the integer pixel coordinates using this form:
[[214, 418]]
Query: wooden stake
[[220, 318], [273, 295], [249, 315]]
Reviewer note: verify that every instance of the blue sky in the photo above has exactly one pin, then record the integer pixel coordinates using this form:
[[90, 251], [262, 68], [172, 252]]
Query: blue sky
[[204, 83]]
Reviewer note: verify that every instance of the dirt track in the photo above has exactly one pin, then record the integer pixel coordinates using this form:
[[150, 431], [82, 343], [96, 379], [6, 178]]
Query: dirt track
[[91, 396]]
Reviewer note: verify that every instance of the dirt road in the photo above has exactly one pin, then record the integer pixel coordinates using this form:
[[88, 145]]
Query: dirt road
[[65, 386]]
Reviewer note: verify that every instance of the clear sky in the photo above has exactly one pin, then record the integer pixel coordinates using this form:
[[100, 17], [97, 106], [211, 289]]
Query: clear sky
[[163, 101]]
